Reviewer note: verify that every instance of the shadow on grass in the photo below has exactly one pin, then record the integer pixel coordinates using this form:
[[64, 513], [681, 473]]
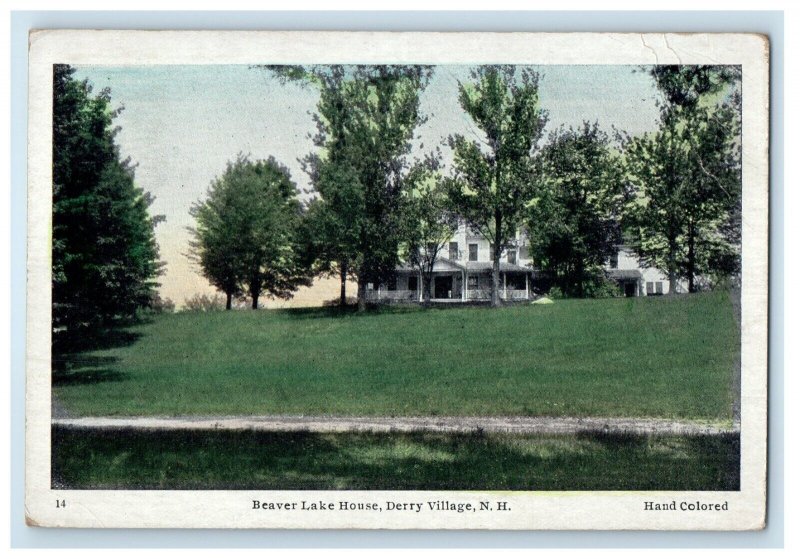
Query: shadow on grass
[[87, 375], [350, 311], [73, 361], [127, 459]]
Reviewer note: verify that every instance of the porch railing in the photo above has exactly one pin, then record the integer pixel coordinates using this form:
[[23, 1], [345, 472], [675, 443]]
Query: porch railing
[[508, 295], [412, 296], [515, 295], [393, 295]]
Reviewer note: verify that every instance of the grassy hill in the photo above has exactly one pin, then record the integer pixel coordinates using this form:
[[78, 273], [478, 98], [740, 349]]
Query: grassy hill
[[647, 357]]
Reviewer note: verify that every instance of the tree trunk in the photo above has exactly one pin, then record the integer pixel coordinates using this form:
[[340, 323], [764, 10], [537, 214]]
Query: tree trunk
[[496, 278], [672, 277], [672, 268], [362, 295], [343, 284], [496, 260], [426, 289], [254, 293], [228, 300], [691, 258]]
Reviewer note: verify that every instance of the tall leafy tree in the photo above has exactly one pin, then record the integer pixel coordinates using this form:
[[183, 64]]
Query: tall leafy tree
[[430, 222], [366, 117], [247, 236], [574, 221], [332, 224], [686, 220], [104, 257], [212, 246], [492, 180]]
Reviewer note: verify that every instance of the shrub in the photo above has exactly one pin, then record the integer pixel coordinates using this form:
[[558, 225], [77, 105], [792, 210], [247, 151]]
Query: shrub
[[201, 302], [603, 289], [160, 306], [349, 301]]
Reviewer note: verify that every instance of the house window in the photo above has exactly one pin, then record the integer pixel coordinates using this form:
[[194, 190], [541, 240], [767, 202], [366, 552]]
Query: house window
[[613, 262], [473, 252], [472, 282], [432, 249], [391, 284], [412, 283], [523, 253], [453, 251], [491, 252], [512, 256], [650, 288], [659, 288]]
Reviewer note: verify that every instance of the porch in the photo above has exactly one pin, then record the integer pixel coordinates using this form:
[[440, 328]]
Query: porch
[[454, 283]]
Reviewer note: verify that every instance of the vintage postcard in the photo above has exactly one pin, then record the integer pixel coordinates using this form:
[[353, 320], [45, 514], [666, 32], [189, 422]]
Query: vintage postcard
[[397, 280]]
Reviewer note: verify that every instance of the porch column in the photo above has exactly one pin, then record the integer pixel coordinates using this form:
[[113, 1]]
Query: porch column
[[463, 285], [527, 291], [505, 290], [419, 287]]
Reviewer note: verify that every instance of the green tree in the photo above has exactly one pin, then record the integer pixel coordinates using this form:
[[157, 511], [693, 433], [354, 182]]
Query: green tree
[[492, 181], [366, 117], [686, 220], [574, 221], [104, 253], [247, 238], [430, 222], [213, 247], [332, 225]]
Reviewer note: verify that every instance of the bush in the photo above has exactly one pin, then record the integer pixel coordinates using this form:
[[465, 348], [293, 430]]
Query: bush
[[204, 303], [349, 301], [556, 293], [603, 289], [160, 306], [600, 288]]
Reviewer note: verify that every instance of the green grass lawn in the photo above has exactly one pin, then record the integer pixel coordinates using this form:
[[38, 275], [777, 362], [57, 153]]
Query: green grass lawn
[[646, 357], [117, 459]]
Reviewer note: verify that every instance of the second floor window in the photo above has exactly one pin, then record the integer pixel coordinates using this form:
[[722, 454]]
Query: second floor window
[[432, 249], [613, 261], [473, 252], [512, 256], [453, 251]]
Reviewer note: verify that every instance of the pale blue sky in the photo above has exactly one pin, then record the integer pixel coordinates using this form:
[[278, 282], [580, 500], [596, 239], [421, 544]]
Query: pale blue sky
[[181, 124]]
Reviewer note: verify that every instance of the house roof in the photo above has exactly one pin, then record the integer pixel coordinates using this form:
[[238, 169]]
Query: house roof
[[487, 267], [624, 274], [447, 265], [441, 265]]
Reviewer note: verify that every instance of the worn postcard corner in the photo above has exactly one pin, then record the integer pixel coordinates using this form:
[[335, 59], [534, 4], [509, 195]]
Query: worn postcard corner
[[397, 280]]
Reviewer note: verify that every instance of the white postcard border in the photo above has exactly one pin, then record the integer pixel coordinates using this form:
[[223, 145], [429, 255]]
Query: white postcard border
[[528, 510]]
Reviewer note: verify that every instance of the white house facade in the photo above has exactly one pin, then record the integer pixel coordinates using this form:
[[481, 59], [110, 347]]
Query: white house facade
[[462, 272], [635, 279]]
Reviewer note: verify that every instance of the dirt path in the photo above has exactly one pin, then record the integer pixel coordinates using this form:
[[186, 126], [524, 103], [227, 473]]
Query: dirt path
[[323, 424]]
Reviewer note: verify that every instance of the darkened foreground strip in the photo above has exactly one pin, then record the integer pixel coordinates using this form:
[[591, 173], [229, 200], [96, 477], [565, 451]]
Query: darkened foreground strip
[[667, 357], [127, 459], [323, 424]]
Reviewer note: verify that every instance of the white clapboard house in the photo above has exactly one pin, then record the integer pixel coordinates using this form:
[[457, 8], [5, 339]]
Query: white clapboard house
[[463, 273]]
